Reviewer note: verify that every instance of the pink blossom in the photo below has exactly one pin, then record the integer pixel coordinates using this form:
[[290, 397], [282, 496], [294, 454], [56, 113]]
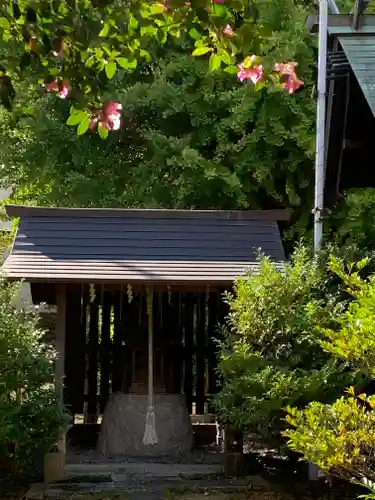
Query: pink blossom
[[111, 107], [64, 91], [228, 31], [287, 73], [108, 117], [188, 4], [52, 86], [254, 74]]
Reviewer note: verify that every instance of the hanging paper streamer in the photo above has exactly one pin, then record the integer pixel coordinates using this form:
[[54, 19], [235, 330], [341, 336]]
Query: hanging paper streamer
[[129, 291], [150, 437], [121, 302], [92, 293], [206, 306]]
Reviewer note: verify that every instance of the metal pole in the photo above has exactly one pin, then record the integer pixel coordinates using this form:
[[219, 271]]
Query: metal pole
[[320, 125], [333, 7]]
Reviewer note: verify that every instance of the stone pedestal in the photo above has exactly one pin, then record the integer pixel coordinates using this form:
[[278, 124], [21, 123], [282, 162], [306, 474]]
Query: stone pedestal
[[124, 421]]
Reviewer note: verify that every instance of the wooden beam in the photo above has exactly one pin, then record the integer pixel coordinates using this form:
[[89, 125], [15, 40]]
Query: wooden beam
[[342, 24], [145, 213], [60, 348]]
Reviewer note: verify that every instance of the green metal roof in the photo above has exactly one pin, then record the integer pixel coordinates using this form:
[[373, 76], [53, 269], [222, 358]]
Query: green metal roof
[[360, 51]]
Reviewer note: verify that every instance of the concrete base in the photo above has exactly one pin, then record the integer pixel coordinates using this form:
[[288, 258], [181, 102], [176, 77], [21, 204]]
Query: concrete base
[[124, 420]]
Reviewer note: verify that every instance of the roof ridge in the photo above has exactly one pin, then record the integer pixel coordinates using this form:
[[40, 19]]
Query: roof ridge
[[35, 211]]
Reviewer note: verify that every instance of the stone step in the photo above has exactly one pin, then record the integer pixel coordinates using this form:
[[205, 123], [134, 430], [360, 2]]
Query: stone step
[[153, 469]]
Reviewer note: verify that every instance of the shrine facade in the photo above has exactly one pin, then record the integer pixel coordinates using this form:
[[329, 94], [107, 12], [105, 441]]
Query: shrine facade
[[132, 286]]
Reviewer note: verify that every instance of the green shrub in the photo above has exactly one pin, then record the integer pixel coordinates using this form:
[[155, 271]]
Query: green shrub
[[31, 417], [340, 437], [272, 355]]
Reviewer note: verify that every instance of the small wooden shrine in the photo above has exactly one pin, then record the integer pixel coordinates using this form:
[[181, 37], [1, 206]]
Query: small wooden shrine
[[139, 299], [350, 116]]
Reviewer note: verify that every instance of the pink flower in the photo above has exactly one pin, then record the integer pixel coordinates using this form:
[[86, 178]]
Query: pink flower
[[188, 4], [287, 73], [110, 116], [64, 91], [52, 86], [228, 31], [253, 74], [111, 107]]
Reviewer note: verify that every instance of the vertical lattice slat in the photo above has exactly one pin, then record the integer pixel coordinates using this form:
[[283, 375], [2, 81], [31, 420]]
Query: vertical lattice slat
[[117, 368], [200, 355], [105, 350], [188, 318], [212, 333], [93, 345], [74, 352]]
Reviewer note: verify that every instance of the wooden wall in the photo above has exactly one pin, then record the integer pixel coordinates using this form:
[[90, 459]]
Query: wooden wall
[[104, 330]]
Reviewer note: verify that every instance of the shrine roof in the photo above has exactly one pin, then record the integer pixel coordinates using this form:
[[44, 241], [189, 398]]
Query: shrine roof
[[140, 246]]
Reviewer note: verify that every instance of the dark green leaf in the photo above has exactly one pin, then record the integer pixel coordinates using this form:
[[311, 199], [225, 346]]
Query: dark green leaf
[[16, 10], [31, 16], [25, 60]]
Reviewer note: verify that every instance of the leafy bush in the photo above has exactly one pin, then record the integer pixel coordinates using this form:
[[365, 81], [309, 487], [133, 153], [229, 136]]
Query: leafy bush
[[272, 355], [340, 437], [354, 339], [31, 417]]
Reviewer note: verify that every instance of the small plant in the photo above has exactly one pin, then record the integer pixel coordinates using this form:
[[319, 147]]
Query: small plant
[[31, 417]]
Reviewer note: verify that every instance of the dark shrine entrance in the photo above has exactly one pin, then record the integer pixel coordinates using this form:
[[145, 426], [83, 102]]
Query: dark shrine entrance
[[106, 345]]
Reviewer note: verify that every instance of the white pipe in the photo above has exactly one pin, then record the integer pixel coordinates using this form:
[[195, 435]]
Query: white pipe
[[320, 125], [333, 7]]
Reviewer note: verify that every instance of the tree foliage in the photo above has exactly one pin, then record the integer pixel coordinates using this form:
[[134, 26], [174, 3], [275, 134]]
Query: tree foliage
[[191, 139], [76, 47], [352, 219]]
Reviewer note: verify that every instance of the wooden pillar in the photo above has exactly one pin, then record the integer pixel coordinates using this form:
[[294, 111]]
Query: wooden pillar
[[201, 351], [233, 452], [60, 340], [189, 347], [60, 348]]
